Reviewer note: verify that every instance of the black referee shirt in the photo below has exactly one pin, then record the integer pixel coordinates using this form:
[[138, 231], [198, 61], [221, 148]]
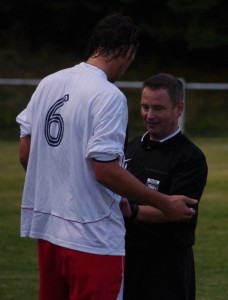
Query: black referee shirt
[[175, 166]]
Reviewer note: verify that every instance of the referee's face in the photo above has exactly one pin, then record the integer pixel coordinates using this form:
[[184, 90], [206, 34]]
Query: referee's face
[[159, 114]]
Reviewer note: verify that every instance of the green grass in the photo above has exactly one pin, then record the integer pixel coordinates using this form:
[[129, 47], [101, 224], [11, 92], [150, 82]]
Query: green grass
[[211, 249], [18, 256]]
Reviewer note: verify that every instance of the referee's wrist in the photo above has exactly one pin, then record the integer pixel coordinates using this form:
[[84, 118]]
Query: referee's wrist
[[134, 210]]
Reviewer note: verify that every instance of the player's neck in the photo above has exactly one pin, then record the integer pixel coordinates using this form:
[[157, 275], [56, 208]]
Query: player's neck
[[106, 64]]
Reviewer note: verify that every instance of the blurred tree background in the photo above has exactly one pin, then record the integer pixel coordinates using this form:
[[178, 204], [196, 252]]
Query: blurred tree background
[[183, 37]]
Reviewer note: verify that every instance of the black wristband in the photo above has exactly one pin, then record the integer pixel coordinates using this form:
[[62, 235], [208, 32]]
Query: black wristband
[[134, 210]]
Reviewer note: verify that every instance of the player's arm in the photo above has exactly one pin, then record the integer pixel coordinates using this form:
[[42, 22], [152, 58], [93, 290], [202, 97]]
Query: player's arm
[[192, 174], [122, 182], [151, 214], [24, 149], [143, 213]]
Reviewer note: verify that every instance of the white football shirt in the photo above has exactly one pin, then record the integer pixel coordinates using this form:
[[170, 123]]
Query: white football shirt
[[74, 115]]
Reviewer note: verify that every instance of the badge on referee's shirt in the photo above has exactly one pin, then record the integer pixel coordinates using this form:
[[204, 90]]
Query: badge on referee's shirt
[[152, 183]]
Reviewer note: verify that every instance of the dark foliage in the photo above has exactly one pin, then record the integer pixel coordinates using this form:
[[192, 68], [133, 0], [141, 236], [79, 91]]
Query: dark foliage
[[180, 29]]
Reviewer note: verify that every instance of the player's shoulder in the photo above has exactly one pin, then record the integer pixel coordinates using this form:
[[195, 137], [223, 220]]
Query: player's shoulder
[[55, 77], [59, 74]]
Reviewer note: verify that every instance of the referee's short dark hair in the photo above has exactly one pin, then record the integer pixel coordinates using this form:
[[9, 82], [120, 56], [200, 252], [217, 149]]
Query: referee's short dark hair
[[172, 84]]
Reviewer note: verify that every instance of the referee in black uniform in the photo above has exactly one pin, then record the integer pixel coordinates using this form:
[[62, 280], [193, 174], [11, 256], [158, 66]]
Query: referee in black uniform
[[159, 253]]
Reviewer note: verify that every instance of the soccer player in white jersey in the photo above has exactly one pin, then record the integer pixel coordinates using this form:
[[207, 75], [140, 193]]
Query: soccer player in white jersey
[[72, 147]]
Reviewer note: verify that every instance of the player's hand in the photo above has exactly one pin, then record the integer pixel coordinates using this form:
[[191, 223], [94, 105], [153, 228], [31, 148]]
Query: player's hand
[[180, 208]]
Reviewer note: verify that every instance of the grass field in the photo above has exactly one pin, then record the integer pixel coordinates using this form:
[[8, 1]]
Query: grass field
[[18, 259]]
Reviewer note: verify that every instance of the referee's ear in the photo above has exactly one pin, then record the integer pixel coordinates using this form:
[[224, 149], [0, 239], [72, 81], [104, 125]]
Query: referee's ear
[[180, 108]]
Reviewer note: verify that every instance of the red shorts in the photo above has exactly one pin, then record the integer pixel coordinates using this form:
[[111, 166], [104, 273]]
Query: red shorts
[[67, 274]]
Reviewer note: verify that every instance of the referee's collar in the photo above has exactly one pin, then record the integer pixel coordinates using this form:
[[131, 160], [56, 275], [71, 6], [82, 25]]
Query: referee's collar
[[146, 136]]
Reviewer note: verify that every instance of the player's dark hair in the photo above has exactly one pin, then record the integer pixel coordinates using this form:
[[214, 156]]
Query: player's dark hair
[[172, 84], [113, 35]]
